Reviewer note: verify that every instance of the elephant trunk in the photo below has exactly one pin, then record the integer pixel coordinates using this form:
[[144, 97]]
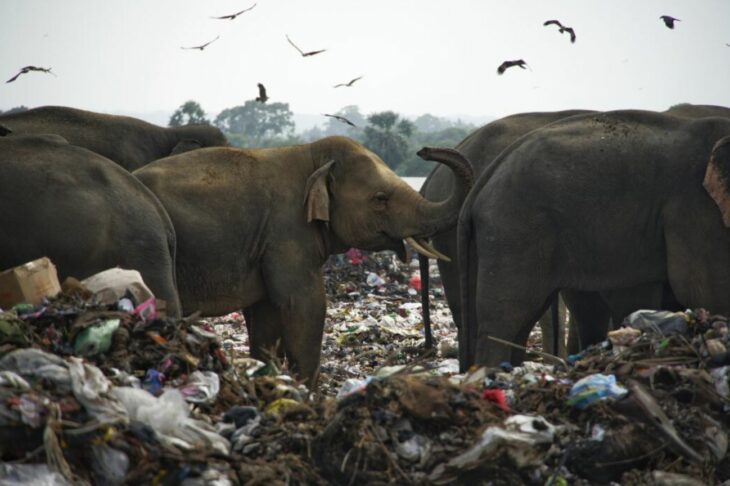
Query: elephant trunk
[[435, 217]]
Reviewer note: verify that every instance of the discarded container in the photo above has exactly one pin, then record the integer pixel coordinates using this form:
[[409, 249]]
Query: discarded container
[[29, 283]]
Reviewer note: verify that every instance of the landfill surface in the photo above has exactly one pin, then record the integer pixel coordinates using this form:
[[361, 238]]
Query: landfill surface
[[110, 394]]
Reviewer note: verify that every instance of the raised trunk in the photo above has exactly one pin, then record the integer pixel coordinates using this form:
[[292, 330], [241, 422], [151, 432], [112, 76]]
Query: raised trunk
[[435, 217]]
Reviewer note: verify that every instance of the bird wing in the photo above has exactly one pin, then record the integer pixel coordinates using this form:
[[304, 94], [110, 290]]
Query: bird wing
[[233, 16], [16, 76], [353, 80], [553, 22], [210, 42], [571, 32], [262, 91], [312, 53], [502, 67], [339, 84], [295, 46]]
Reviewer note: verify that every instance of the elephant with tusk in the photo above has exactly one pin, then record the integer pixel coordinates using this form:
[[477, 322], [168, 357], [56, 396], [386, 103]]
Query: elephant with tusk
[[127, 141], [254, 227]]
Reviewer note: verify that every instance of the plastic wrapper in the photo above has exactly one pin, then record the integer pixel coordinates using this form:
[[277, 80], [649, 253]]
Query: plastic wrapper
[[593, 388], [202, 387], [30, 474]]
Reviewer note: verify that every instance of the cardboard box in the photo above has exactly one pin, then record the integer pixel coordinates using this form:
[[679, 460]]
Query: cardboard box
[[28, 283]]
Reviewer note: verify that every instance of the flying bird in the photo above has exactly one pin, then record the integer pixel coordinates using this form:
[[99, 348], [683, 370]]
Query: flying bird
[[508, 64], [304, 54], [349, 83], [669, 20], [342, 119], [233, 16], [562, 29], [262, 97], [201, 47], [28, 69]]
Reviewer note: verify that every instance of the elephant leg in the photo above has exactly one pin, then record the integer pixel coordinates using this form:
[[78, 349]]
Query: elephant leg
[[507, 310], [297, 292], [623, 302], [591, 315], [303, 325], [263, 321]]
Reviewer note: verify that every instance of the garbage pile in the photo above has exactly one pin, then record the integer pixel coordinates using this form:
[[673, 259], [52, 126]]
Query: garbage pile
[[115, 393]]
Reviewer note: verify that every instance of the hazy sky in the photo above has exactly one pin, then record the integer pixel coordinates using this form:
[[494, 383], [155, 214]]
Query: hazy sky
[[417, 56]]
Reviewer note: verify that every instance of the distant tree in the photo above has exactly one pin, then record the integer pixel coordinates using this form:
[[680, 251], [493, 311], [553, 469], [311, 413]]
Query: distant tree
[[255, 124], [17, 109], [430, 123], [387, 136], [189, 113]]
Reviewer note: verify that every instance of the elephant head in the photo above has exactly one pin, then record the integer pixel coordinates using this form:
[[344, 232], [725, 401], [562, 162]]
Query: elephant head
[[366, 205], [191, 137]]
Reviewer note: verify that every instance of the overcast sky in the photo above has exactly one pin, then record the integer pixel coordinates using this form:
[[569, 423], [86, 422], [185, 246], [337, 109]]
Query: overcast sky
[[415, 56]]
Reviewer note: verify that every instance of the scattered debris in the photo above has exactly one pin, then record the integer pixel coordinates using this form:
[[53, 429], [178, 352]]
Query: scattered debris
[[95, 391]]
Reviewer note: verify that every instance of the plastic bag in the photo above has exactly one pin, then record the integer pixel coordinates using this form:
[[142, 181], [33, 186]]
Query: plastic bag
[[35, 474], [96, 339], [92, 390], [33, 363], [110, 465], [202, 387], [593, 388], [664, 322]]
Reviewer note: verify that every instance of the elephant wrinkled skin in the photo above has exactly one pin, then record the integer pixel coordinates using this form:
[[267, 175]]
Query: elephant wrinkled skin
[[254, 227], [82, 211], [127, 141], [594, 202]]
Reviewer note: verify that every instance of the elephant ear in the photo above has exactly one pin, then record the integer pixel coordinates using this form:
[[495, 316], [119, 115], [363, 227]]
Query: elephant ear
[[316, 196], [717, 178]]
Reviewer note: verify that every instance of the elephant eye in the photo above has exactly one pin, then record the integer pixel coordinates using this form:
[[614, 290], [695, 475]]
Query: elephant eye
[[380, 200]]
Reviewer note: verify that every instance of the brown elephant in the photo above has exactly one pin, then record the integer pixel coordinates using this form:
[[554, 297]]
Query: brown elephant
[[82, 211], [127, 141], [254, 227]]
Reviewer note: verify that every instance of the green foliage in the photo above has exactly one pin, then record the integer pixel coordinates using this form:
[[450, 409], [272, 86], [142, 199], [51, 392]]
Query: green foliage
[[189, 113], [387, 136], [16, 109], [256, 124]]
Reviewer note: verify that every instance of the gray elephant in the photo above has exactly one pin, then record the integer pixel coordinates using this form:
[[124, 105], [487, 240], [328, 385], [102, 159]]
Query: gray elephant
[[592, 203], [127, 141], [480, 148], [84, 212], [254, 227]]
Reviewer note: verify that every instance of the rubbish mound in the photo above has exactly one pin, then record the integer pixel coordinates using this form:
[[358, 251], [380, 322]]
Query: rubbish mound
[[115, 393]]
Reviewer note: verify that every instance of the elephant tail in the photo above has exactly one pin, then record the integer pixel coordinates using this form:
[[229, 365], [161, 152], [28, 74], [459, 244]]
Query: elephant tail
[[423, 265]]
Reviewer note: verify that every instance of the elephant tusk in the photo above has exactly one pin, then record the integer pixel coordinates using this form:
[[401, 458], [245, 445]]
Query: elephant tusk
[[426, 250]]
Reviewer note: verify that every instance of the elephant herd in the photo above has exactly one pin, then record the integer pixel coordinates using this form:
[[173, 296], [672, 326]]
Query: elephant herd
[[213, 229], [615, 210]]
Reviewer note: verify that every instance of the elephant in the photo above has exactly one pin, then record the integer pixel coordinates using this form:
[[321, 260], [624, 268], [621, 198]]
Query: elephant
[[255, 226], [591, 203], [480, 148], [84, 212], [127, 141]]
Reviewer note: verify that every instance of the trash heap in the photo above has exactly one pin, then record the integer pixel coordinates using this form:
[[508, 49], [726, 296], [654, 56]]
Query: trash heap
[[115, 393]]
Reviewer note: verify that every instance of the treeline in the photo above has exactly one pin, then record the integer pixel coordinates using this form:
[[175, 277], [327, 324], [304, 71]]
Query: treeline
[[393, 137]]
